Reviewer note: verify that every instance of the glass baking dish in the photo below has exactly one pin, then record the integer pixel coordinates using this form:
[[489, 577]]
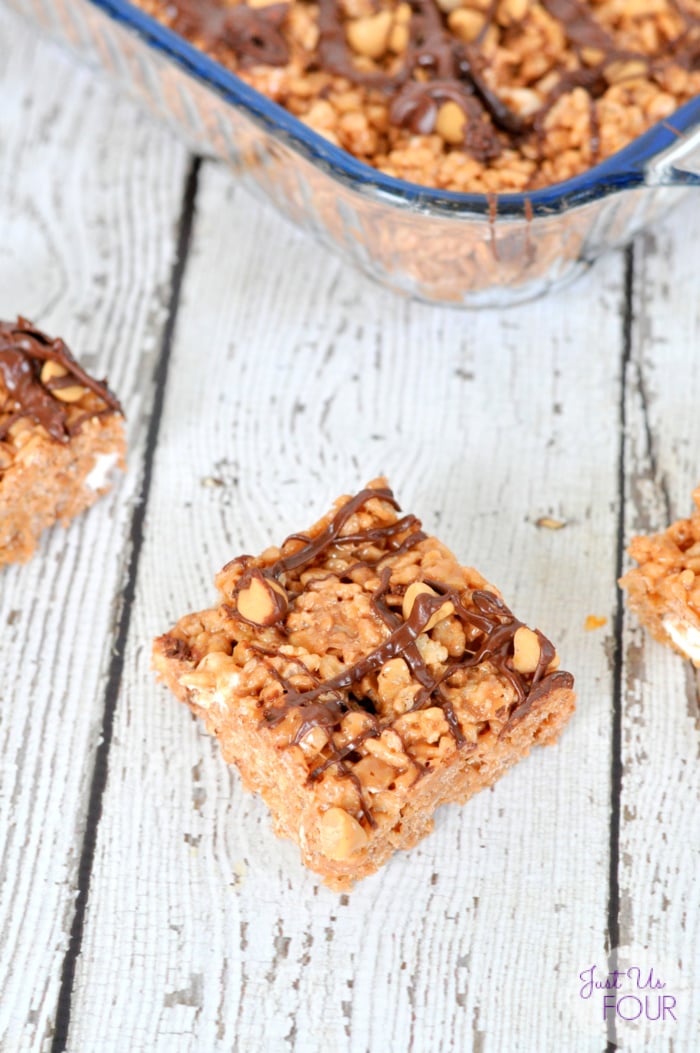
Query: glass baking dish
[[465, 249]]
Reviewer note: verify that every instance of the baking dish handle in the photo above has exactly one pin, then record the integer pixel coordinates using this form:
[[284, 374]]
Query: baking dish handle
[[679, 165]]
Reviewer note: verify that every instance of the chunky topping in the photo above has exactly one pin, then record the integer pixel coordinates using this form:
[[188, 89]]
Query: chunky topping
[[341, 834], [40, 379], [260, 600], [432, 58], [365, 644], [524, 668], [413, 592]]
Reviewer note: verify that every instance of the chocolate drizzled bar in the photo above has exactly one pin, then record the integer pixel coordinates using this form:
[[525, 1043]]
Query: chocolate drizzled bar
[[663, 589], [358, 677], [60, 434]]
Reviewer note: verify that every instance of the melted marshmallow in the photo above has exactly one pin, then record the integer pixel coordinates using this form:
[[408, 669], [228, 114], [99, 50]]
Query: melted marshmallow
[[685, 637], [98, 476]]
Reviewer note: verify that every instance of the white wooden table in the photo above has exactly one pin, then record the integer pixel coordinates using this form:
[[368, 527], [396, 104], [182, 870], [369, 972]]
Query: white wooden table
[[144, 903]]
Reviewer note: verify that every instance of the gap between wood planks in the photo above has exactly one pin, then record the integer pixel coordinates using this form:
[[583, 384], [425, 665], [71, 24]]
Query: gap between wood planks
[[98, 781], [616, 737]]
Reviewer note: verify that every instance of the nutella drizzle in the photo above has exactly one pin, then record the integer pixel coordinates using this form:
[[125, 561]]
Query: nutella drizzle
[[437, 66], [23, 351], [491, 629], [314, 547]]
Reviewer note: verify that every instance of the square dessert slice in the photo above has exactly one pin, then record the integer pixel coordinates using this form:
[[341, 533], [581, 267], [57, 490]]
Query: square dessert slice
[[61, 432], [359, 677], [664, 590]]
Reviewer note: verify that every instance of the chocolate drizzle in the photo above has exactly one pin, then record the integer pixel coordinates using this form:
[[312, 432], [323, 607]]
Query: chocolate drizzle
[[581, 28], [489, 627], [311, 548], [417, 104], [336, 56], [454, 75], [469, 66], [254, 33], [23, 351]]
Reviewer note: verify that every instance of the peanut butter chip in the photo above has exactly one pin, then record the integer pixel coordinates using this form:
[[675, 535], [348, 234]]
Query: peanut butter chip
[[341, 834], [620, 70], [399, 37], [515, 10], [374, 774], [370, 36], [592, 56], [260, 600], [451, 122], [51, 372], [466, 24], [526, 650], [419, 588]]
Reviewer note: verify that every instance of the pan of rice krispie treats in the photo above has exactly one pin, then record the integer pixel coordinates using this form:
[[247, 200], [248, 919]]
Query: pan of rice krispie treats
[[477, 152], [484, 96]]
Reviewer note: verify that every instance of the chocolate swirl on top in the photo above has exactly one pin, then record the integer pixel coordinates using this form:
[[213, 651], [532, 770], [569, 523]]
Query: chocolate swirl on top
[[313, 547], [490, 625], [23, 351], [417, 104]]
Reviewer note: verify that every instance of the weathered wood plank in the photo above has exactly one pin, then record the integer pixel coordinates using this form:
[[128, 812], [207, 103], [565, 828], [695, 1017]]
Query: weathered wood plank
[[294, 379], [660, 836], [89, 198]]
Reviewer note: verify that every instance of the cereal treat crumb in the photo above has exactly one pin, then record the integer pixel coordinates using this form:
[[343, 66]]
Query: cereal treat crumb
[[485, 96], [359, 677], [61, 433], [664, 590]]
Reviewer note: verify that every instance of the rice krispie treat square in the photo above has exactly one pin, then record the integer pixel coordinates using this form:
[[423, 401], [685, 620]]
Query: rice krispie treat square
[[359, 677], [61, 433], [664, 589]]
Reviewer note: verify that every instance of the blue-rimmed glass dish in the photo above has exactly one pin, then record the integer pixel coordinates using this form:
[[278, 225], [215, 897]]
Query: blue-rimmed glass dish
[[465, 249]]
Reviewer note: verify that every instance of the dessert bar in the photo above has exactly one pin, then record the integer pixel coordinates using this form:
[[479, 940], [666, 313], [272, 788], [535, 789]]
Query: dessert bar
[[664, 589], [359, 677], [482, 96], [61, 433]]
